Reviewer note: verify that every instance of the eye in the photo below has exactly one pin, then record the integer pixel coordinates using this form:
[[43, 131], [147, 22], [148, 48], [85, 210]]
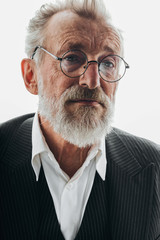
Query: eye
[[72, 58], [108, 63]]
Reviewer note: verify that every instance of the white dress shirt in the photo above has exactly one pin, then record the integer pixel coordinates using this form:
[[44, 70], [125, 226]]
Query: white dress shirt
[[70, 195]]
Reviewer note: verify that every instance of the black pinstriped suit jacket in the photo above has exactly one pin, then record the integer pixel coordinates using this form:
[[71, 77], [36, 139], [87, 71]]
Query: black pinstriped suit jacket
[[124, 207]]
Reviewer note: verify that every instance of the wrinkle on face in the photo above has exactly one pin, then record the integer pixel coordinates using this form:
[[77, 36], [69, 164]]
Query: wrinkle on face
[[67, 28]]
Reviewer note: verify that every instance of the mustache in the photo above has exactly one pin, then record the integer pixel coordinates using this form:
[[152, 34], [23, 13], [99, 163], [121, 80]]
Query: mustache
[[78, 92]]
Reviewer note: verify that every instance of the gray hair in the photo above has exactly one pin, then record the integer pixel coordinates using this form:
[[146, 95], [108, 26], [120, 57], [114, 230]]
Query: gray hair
[[92, 9]]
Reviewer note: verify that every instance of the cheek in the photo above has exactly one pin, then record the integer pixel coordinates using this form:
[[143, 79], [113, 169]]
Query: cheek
[[109, 88], [54, 81]]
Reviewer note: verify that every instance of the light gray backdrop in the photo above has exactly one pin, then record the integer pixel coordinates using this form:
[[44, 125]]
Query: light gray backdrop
[[138, 96]]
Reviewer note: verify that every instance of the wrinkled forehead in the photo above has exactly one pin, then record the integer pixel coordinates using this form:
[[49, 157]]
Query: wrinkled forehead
[[66, 30]]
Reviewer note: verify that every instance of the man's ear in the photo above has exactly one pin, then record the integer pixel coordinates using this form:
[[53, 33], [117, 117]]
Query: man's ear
[[28, 68]]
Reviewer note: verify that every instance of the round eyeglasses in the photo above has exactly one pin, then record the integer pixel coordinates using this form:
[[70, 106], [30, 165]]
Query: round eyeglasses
[[74, 63]]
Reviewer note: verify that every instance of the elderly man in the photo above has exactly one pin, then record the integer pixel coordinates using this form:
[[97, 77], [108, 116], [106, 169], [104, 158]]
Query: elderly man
[[64, 172]]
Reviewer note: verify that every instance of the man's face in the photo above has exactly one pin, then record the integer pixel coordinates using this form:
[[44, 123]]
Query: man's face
[[67, 31]]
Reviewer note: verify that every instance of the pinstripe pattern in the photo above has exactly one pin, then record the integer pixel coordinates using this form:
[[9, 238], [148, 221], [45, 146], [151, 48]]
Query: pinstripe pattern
[[124, 207]]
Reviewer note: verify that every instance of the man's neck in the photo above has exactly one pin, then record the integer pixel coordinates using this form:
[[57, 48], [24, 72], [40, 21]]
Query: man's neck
[[69, 156]]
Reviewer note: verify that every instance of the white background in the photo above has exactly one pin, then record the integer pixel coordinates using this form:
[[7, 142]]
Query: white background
[[138, 98]]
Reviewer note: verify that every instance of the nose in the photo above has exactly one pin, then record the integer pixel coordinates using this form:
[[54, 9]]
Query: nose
[[90, 78]]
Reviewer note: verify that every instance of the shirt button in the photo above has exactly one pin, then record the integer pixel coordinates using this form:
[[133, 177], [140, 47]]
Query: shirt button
[[70, 186]]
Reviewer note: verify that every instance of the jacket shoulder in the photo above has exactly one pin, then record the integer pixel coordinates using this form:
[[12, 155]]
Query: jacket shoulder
[[9, 128], [143, 149]]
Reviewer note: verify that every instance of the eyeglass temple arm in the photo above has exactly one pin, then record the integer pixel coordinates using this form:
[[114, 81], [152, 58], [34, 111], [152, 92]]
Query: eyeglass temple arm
[[127, 65], [55, 57]]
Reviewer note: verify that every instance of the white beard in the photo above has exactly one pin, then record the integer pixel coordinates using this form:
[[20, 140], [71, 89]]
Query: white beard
[[84, 127]]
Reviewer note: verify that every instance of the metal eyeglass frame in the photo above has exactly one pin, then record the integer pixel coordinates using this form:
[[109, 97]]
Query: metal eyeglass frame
[[88, 62]]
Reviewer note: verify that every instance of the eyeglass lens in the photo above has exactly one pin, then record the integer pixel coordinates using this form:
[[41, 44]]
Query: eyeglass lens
[[74, 64], [112, 68]]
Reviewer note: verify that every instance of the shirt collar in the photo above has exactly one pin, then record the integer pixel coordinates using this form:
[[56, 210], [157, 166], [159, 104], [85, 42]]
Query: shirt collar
[[101, 160], [98, 151], [39, 146]]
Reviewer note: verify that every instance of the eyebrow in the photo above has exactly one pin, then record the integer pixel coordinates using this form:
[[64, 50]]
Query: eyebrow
[[70, 46], [106, 48]]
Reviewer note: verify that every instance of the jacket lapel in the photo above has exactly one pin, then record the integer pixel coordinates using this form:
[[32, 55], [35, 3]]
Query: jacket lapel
[[48, 225], [130, 189], [120, 207], [21, 147], [95, 223]]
